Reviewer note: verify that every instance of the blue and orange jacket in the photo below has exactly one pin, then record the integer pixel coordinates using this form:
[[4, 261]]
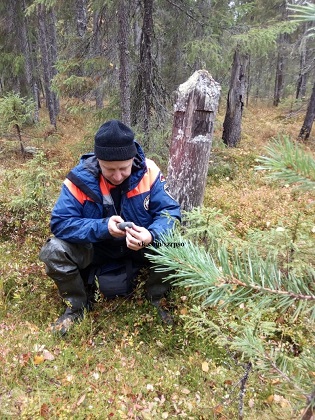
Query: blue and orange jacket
[[77, 218]]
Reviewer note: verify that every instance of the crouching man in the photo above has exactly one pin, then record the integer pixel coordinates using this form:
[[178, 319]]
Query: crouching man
[[115, 184]]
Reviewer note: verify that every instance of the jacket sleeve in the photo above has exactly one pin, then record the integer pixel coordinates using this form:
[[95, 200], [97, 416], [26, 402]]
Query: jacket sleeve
[[68, 220], [163, 208]]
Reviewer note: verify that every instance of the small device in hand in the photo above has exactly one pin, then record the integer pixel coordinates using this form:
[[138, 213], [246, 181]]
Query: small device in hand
[[123, 225]]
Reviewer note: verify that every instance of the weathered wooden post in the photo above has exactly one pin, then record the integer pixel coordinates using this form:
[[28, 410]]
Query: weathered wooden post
[[194, 114]]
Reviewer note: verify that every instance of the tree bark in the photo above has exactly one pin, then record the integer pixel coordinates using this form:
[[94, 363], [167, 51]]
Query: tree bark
[[146, 65], [281, 60], [52, 52], [235, 101], [279, 81], [302, 79], [96, 52], [47, 71], [81, 17], [309, 118], [124, 60], [195, 111], [29, 63]]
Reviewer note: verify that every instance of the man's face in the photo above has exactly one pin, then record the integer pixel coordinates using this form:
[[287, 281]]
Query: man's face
[[116, 171]]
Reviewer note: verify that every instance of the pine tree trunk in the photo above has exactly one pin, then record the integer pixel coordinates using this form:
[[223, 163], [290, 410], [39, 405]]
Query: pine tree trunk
[[235, 101], [195, 111], [309, 118], [124, 60]]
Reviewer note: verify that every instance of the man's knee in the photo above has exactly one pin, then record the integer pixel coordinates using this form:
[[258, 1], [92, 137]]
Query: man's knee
[[59, 255]]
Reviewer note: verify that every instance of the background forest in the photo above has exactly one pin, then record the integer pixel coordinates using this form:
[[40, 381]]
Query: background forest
[[244, 341]]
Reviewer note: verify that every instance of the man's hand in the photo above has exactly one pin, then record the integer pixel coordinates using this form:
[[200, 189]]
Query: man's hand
[[137, 237], [113, 228]]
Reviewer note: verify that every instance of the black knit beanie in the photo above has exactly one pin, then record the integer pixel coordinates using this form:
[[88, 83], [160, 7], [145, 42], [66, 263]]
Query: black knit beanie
[[114, 141]]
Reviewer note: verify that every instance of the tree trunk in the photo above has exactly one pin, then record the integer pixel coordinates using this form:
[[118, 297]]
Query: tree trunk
[[29, 64], [124, 60], [96, 52], [281, 59], [235, 101], [301, 83], [52, 52], [47, 65], [279, 81], [146, 65], [195, 111], [309, 118], [81, 17], [18, 131]]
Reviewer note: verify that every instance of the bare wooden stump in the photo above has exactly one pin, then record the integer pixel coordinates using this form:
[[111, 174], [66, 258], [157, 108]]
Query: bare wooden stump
[[194, 114]]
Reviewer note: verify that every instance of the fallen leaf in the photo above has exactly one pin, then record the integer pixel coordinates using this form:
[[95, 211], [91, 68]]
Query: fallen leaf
[[270, 399], [218, 409], [24, 358], [251, 403], [205, 367], [38, 359], [44, 411], [228, 382], [101, 367], [69, 378], [96, 375], [185, 391], [81, 399], [47, 355]]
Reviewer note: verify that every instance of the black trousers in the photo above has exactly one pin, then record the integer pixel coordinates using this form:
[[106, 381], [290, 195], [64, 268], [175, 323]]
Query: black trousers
[[68, 264]]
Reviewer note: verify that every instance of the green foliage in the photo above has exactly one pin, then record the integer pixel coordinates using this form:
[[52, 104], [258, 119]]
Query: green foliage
[[12, 62], [77, 76], [247, 286], [288, 162], [37, 183], [15, 111], [262, 40], [211, 57], [33, 7]]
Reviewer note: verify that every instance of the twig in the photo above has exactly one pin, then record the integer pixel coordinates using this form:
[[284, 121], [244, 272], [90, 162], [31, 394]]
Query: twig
[[243, 390], [310, 409], [298, 296]]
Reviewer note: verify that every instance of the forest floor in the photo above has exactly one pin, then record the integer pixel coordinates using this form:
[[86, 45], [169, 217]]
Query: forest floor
[[121, 362]]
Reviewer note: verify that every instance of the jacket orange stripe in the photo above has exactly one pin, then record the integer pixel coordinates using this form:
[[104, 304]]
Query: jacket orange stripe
[[147, 181], [144, 185], [76, 192], [105, 186]]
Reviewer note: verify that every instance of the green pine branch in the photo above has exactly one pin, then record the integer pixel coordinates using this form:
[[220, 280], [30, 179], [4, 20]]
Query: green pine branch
[[302, 13], [288, 162], [233, 277]]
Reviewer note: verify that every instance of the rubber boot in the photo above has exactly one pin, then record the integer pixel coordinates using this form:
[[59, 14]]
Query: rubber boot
[[72, 291], [63, 262], [157, 288], [163, 313]]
